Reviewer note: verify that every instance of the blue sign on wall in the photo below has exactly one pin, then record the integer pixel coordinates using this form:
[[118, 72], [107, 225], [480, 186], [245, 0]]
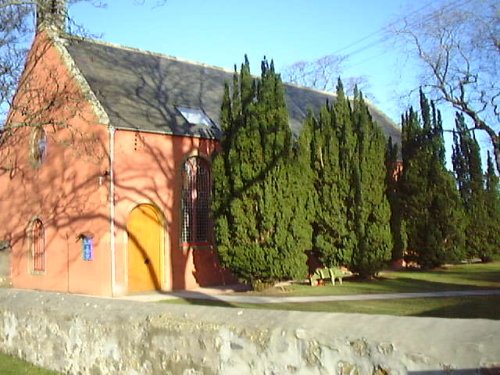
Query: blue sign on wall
[[88, 248]]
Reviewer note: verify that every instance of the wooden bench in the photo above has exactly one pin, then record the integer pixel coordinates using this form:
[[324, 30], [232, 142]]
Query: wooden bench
[[321, 274]]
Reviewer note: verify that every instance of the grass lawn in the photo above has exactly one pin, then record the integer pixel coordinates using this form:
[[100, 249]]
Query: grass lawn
[[457, 277], [14, 366]]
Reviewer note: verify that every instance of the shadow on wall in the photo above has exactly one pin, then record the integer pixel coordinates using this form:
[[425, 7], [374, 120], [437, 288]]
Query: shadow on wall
[[75, 139], [60, 108], [4, 263], [207, 269]]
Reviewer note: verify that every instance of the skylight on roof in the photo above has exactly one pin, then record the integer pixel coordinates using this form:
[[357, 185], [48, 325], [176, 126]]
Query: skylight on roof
[[195, 116]]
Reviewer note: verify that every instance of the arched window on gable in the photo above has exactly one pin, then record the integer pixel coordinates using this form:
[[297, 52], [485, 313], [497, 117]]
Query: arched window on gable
[[38, 147], [196, 188], [38, 245]]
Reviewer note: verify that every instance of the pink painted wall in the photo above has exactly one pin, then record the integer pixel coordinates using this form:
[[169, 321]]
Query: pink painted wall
[[64, 191], [148, 170], [69, 192]]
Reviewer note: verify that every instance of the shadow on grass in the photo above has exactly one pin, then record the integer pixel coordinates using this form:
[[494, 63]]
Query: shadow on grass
[[467, 308], [410, 284], [384, 285], [483, 275], [460, 277], [450, 308]]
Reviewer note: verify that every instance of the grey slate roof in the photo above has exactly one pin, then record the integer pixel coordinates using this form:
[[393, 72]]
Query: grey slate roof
[[141, 90]]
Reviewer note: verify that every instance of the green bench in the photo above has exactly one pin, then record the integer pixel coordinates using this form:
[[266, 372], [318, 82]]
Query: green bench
[[322, 274]]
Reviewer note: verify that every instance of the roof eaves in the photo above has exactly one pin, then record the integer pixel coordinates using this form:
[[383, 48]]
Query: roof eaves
[[160, 132], [382, 114]]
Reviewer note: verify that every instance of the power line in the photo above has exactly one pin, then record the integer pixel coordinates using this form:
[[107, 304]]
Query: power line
[[383, 38], [382, 29]]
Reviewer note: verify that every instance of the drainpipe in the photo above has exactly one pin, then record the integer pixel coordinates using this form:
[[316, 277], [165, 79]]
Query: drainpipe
[[112, 208]]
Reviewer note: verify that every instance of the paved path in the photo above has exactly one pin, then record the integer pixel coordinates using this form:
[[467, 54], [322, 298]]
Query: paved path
[[216, 295]]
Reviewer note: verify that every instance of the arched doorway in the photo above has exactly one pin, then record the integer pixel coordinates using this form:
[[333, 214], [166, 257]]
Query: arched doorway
[[144, 248]]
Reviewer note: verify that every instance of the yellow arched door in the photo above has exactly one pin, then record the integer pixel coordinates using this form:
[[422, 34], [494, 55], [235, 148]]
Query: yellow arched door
[[145, 236]]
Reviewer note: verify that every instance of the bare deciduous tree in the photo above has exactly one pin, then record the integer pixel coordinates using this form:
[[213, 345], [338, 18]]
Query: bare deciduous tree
[[458, 47], [322, 74], [17, 28], [14, 31]]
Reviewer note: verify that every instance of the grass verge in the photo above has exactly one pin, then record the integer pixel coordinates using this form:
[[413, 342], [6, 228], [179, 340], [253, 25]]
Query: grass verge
[[451, 278], [451, 307], [456, 277], [10, 365]]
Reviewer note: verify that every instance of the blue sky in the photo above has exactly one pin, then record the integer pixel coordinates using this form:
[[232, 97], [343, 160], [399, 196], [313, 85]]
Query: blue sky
[[221, 32]]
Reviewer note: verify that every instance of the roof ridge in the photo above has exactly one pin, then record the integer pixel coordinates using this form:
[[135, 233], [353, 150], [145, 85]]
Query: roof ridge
[[312, 89], [143, 51]]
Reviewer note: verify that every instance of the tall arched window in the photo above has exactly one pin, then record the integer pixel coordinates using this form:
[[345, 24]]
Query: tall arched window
[[196, 187], [38, 245]]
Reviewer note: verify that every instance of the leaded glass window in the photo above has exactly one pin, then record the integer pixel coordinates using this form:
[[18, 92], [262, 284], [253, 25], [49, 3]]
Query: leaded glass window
[[196, 223]]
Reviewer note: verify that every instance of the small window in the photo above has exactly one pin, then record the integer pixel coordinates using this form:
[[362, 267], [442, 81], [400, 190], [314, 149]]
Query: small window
[[195, 116], [196, 187], [38, 245], [87, 247], [38, 147]]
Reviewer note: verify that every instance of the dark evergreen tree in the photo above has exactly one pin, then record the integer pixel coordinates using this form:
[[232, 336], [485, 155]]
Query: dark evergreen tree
[[429, 197], [492, 203], [332, 149], [330, 227], [393, 176], [470, 180], [304, 179], [351, 216], [259, 211], [348, 160], [372, 211]]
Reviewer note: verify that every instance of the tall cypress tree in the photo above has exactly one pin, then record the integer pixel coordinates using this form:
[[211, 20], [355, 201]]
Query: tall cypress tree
[[332, 148], [348, 160], [330, 224], [351, 221], [262, 230], [372, 210], [430, 200], [393, 177], [470, 180], [223, 190], [492, 202]]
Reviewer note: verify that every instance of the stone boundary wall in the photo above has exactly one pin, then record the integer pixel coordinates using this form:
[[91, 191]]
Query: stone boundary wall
[[85, 335]]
